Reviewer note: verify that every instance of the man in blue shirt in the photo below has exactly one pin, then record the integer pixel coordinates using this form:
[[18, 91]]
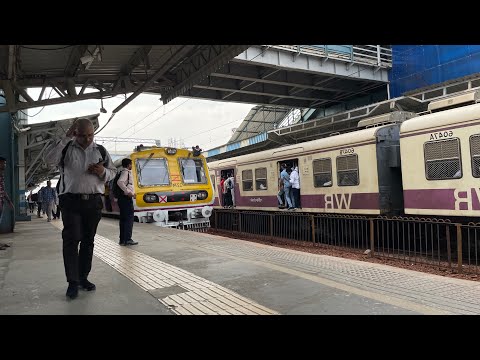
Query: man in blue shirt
[[287, 186]]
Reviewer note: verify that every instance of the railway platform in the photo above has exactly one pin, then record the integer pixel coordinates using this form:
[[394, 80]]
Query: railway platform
[[176, 272]]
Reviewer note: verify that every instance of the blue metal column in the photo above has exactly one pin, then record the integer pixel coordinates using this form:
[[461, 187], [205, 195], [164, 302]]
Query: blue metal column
[[7, 221]]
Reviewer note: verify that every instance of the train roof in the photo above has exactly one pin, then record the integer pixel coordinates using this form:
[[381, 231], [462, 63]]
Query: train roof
[[348, 139], [145, 151], [441, 118]]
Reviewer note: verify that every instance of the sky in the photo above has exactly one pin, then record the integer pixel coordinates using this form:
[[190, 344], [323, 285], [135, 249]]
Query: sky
[[197, 122]]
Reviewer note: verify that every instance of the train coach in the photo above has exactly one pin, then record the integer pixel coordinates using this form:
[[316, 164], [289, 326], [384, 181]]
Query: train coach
[[172, 188], [353, 173], [424, 164], [440, 155]]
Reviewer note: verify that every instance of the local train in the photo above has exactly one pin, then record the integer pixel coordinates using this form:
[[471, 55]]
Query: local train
[[426, 165], [172, 187]]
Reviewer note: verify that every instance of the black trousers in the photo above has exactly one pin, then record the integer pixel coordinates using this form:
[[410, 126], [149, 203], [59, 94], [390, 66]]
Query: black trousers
[[296, 197], [126, 218], [80, 221]]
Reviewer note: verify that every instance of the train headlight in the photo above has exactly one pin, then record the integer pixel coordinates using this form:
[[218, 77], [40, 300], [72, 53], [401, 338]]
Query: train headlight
[[150, 198], [202, 195], [171, 151]]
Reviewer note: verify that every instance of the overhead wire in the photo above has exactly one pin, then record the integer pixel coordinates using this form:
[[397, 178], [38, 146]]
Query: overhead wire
[[200, 92], [41, 49], [40, 109], [154, 62]]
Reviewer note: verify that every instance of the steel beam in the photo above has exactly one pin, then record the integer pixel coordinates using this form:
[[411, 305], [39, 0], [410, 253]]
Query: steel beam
[[140, 56], [74, 63], [219, 55], [177, 52]]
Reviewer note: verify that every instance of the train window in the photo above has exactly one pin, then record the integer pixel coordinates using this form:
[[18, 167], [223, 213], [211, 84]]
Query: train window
[[152, 172], [192, 171], [261, 179], [442, 159], [475, 153], [347, 170], [247, 180], [322, 172]]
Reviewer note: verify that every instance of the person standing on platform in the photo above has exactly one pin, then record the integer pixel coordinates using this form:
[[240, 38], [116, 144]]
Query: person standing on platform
[[125, 203], [84, 167]]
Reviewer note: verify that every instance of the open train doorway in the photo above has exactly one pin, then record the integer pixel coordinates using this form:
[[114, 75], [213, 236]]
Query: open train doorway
[[288, 184], [227, 177]]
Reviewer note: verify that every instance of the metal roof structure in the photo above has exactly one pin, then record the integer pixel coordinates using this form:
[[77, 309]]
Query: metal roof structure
[[80, 72], [260, 119], [39, 137], [300, 76]]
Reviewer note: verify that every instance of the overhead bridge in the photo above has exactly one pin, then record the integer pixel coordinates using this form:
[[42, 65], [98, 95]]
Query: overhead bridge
[[301, 76]]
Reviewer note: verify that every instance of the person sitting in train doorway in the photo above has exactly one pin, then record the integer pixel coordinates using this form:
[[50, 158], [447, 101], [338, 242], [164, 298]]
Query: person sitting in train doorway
[[295, 180], [287, 186], [125, 203]]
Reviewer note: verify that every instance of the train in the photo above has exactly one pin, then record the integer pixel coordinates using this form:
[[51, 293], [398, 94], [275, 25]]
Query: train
[[172, 186], [426, 164]]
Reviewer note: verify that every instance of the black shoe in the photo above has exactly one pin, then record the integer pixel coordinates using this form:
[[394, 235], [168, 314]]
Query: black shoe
[[72, 291], [87, 285], [131, 242], [121, 243]]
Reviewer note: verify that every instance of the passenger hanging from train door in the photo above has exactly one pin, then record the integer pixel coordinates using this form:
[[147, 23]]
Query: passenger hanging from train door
[[295, 180], [281, 194], [222, 191], [230, 189], [287, 186]]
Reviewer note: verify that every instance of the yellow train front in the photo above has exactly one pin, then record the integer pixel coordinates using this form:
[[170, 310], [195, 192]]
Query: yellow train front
[[172, 187]]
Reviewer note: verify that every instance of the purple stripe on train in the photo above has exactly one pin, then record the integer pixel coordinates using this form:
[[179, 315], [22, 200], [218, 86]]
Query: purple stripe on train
[[335, 201], [442, 199]]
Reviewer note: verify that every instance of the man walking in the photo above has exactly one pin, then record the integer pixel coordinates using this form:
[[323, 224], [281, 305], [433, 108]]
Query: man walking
[[49, 200], [125, 203], [84, 167]]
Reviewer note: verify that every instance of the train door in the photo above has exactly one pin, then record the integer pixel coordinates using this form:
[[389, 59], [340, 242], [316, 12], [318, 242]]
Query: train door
[[289, 195], [228, 187]]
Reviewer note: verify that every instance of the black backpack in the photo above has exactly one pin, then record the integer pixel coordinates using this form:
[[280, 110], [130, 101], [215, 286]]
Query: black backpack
[[114, 188], [103, 152]]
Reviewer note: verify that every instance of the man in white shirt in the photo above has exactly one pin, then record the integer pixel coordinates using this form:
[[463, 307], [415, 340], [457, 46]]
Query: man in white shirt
[[84, 167], [295, 180], [125, 203]]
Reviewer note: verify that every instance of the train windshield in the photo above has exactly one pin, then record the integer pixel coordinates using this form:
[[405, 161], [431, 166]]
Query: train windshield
[[192, 171], [151, 172]]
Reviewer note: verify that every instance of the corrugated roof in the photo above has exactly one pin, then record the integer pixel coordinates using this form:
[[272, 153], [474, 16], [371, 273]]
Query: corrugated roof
[[259, 120], [106, 70]]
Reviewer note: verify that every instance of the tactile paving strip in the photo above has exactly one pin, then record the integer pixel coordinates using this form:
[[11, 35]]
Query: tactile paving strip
[[201, 297]]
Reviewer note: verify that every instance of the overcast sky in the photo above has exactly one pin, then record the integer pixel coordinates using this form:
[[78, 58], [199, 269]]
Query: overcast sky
[[198, 122]]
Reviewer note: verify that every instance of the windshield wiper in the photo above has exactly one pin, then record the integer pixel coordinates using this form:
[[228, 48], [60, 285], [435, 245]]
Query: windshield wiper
[[146, 161]]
